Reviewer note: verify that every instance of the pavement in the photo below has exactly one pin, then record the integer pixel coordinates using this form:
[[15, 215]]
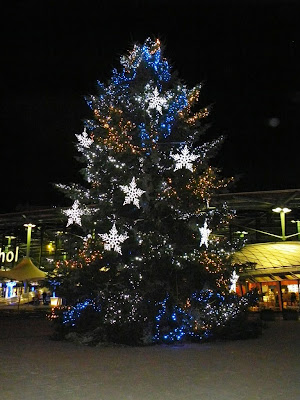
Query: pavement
[[34, 367]]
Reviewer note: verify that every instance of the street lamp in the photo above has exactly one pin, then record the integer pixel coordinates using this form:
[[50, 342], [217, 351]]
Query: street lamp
[[9, 239], [29, 229], [298, 227], [282, 212], [241, 233]]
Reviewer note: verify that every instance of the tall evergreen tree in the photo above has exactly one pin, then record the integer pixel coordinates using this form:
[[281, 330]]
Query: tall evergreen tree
[[149, 231]]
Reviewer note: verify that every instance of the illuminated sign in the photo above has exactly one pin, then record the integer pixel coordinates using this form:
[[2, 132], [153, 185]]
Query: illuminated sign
[[9, 256]]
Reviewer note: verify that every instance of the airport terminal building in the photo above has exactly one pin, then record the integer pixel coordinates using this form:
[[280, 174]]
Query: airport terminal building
[[269, 220]]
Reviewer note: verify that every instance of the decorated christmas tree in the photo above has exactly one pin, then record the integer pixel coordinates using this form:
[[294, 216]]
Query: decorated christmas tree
[[152, 244]]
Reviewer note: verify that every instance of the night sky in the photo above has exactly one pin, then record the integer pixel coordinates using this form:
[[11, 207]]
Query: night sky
[[245, 52]]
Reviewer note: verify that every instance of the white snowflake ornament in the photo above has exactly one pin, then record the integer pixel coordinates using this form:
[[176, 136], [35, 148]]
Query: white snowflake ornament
[[133, 193], [84, 139], [204, 232], [75, 213], [184, 159], [112, 240], [155, 101]]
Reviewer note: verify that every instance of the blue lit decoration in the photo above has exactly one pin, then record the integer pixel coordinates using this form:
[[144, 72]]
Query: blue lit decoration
[[141, 118], [118, 93], [206, 311], [10, 286], [169, 118], [54, 284], [72, 316], [145, 136], [197, 321], [173, 324], [90, 124], [150, 54]]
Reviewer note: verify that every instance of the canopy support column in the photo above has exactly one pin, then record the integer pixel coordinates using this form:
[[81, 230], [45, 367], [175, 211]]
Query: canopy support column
[[278, 284]]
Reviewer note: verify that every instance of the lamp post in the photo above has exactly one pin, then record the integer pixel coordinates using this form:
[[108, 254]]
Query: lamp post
[[8, 252], [29, 229], [9, 238], [241, 233], [298, 227], [282, 212]]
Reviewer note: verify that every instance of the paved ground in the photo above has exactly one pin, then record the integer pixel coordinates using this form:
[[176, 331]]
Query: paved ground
[[34, 367]]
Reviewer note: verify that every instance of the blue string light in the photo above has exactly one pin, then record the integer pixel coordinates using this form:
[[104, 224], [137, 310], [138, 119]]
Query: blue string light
[[169, 118], [208, 310], [72, 316], [181, 324], [117, 92]]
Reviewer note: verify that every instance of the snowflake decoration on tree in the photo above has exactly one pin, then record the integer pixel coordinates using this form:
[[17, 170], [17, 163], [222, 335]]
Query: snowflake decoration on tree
[[75, 213], [233, 280], [184, 159], [84, 139], [113, 239], [133, 193], [204, 232], [155, 101]]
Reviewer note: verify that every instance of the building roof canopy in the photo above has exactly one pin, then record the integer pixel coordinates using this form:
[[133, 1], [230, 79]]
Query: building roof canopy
[[24, 271], [270, 255]]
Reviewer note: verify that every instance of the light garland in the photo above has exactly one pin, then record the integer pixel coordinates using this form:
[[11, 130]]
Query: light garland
[[72, 316], [129, 141], [207, 184], [117, 128]]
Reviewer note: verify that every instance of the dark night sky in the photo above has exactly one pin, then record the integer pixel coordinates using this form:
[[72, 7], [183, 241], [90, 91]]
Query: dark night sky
[[247, 54]]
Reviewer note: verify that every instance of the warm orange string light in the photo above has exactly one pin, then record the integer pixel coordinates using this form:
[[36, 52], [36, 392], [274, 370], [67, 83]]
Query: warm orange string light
[[89, 256], [205, 185], [192, 98], [118, 138], [212, 262], [155, 47]]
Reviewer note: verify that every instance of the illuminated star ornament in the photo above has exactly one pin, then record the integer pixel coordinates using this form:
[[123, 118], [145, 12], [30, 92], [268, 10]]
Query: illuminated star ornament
[[133, 193], [84, 139], [233, 280], [204, 232], [155, 101], [112, 240], [75, 213], [184, 159]]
